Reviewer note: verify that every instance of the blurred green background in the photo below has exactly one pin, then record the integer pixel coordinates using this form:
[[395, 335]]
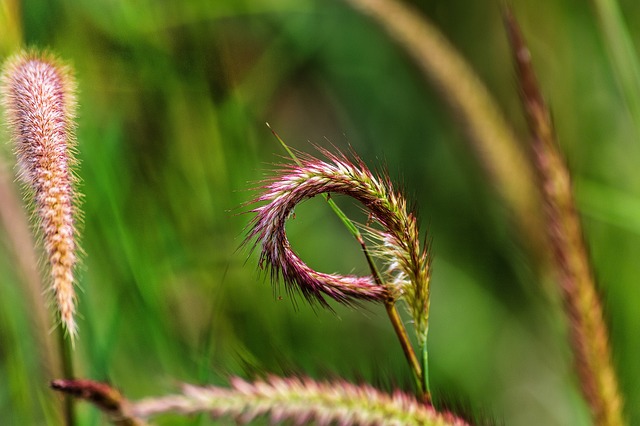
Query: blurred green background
[[173, 100]]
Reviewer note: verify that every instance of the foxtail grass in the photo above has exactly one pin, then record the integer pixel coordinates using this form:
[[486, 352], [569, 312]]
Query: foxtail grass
[[296, 400], [588, 331], [420, 298], [38, 95], [39, 101], [396, 242]]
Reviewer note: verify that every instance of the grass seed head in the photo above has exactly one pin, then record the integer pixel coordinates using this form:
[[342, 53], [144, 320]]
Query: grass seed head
[[39, 102], [394, 229]]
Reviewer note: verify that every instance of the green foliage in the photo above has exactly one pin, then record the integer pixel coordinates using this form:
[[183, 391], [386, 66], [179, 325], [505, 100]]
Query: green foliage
[[173, 97]]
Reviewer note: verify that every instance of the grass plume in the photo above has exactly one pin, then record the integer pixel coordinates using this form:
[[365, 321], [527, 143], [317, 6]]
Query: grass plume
[[301, 401], [39, 101]]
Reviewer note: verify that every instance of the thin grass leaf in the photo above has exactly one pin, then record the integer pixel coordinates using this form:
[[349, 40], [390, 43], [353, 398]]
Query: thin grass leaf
[[491, 137], [623, 55]]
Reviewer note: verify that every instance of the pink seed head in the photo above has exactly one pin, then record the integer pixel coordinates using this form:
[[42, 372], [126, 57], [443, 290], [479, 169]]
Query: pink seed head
[[39, 102]]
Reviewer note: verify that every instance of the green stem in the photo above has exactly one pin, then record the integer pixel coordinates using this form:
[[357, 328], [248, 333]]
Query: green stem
[[398, 326], [66, 360], [409, 353], [425, 372]]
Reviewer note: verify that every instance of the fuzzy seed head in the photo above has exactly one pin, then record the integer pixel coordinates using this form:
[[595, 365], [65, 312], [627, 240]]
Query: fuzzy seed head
[[39, 102], [300, 401], [393, 229]]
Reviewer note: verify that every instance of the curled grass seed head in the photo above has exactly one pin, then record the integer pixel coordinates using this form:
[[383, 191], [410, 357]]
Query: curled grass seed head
[[407, 272], [39, 102]]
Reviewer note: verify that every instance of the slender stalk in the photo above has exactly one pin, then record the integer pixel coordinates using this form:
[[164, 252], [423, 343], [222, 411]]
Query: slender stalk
[[425, 372], [588, 331], [392, 311], [409, 353], [420, 374], [66, 359]]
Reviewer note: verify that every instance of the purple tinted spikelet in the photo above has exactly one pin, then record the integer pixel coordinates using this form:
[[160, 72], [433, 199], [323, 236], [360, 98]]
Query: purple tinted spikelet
[[300, 401], [396, 234], [39, 102]]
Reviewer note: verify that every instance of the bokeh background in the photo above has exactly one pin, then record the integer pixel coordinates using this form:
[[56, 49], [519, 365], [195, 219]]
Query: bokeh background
[[173, 100]]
